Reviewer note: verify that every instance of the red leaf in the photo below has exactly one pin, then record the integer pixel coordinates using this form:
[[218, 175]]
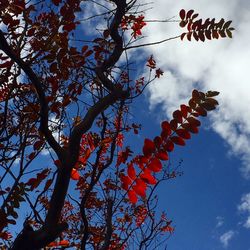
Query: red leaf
[[74, 175], [201, 111], [193, 121], [178, 140], [151, 62], [35, 182], [184, 110], [166, 127], [53, 81], [131, 171], [6, 64], [38, 144], [189, 36], [147, 177], [53, 67], [32, 155], [48, 184], [182, 14], [189, 13], [158, 73], [5, 235], [32, 182], [132, 196], [148, 148], [140, 188], [42, 175], [69, 27], [167, 229], [173, 124], [169, 146], [106, 33], [58, 163], [177, 115], [88, 53], [84, 48], [183, 133], [190, 128], [162, 155], [183, 35], [155, 165], [126, 181], [157, 141], [56, 2]]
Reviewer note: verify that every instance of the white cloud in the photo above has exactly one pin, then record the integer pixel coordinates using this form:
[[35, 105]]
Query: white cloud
[[226, 237], [245, 207], [220, 221], [221, 65]]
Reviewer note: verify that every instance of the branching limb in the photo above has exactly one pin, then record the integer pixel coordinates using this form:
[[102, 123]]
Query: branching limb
[[4, 46]]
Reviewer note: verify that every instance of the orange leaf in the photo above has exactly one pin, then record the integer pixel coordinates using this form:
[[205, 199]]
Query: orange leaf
[[75, 175], [64, 243], [53, 244]]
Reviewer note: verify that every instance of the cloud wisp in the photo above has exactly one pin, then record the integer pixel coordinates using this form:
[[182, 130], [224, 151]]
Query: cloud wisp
[[245, 207], [226, 238]]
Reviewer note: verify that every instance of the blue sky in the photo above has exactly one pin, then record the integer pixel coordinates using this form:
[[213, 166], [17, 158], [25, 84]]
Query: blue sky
[[203, 203], [210, 203]]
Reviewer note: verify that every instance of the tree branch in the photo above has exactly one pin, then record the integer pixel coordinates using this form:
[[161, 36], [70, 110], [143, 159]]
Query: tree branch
[[4, 46]]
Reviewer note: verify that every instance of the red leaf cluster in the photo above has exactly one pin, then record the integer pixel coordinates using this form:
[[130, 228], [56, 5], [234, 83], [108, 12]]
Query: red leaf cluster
[[155, 151], [202, 31], [135, 23], [35, 182]]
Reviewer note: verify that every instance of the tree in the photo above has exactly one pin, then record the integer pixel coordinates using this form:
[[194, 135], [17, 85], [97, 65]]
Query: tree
[[67, 94]]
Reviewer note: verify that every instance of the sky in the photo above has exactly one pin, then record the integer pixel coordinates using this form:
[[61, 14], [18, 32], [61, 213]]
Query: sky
[[210, 203]]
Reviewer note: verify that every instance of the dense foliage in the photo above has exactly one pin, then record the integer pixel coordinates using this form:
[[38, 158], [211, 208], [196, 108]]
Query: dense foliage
[[66, 91]]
